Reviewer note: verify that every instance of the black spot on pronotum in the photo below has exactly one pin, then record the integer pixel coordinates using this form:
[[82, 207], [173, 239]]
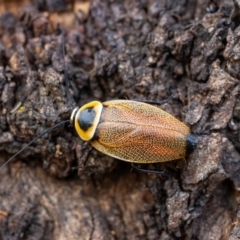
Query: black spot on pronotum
[[86, 118], [192, 141]]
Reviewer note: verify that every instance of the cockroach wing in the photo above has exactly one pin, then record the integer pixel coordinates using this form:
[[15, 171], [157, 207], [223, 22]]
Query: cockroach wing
[[139, 144], [141, 114], [140, 133]]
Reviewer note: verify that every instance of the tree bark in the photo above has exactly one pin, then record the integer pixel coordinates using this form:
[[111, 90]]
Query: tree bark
[[146, 50]]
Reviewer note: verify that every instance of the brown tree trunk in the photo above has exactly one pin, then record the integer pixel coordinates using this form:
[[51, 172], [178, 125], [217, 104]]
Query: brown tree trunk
[[118, 50]]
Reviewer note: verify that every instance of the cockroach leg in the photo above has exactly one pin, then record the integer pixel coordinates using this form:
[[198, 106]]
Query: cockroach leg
[[161, 173], [155, 102]]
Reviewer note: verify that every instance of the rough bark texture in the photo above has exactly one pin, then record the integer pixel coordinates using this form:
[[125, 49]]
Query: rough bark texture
[[145, 49]]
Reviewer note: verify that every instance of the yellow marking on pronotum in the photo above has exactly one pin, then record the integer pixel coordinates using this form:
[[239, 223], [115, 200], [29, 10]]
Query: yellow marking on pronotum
[[88, 116]]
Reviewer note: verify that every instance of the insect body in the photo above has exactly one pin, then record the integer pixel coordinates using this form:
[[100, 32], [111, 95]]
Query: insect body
[[133, 131], [129, 130]]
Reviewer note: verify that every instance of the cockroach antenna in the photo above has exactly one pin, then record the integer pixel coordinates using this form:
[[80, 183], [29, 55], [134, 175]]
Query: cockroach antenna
[[35, 139], [58, 124]]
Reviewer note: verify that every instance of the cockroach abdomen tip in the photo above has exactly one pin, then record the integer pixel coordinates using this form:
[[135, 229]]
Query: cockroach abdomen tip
[[192, 141]]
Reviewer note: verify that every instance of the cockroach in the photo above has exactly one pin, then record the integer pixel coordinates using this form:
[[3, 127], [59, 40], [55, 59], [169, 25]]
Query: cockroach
[[133, 131], [128, 130]]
